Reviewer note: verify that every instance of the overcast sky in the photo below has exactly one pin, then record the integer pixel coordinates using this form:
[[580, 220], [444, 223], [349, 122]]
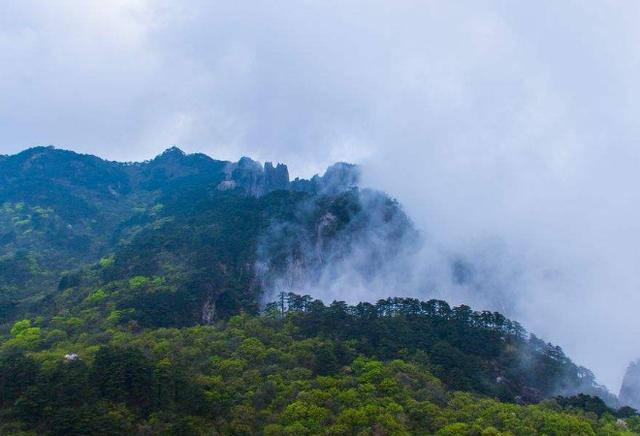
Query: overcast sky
[[508, 130]]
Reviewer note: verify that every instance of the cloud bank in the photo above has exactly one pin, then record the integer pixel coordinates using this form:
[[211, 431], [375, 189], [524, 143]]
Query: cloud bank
[[508, 130]]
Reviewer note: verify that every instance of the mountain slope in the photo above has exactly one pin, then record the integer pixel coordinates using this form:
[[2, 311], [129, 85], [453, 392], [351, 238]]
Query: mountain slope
[[140, 293], [298, 372], [63, 211]]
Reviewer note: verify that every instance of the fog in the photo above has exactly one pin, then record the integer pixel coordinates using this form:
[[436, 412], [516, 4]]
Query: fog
[[507, 130]]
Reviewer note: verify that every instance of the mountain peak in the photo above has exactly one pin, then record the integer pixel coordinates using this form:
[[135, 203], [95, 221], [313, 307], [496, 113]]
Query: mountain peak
[[39, 149], [173, 151]]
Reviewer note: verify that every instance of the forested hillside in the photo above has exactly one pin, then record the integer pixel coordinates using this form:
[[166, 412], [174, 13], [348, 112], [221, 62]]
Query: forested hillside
[[214, 234], [153, 298], [397, 367]]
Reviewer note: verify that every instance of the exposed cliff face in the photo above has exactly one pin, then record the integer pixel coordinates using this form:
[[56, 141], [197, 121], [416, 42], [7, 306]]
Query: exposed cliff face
[[630, 390], [249, 176], [277, 177], [355, 242], [257, 180], [340, 176]]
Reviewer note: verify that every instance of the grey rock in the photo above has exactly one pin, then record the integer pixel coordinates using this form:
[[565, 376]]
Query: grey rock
[[255, 179], [630, 389], [276, 178], [340, 176]]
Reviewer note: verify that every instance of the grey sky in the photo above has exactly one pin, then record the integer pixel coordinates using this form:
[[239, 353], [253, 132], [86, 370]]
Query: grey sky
[[509, 130]]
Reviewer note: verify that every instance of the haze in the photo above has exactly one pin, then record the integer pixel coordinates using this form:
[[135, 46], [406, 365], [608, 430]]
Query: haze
[[508, 130]]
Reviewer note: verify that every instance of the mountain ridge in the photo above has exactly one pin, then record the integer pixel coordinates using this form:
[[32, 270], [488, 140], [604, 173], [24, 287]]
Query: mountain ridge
[[58, 201], [93, 251]]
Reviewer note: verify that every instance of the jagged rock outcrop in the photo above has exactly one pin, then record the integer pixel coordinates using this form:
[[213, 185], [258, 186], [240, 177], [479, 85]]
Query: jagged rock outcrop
[[68, 169], [630, 389], [249, 176], [255, 179], [338, 177], [277, 177]]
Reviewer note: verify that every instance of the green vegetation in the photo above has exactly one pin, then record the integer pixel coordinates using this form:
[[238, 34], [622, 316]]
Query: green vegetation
[[130, 303], [296, 373]]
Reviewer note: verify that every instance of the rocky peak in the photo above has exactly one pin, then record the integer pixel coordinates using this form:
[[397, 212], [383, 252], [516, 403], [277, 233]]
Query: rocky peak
[[340, 176], [174, 163], [276, 177], [171, 153], [248, 175], [254, 178], [630, 389], [248, 164]]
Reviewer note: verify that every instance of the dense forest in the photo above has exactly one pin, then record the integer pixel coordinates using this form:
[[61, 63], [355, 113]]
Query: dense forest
[[396, 367], [141, 298]]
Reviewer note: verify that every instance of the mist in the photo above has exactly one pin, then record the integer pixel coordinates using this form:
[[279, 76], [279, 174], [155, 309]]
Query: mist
[[507, 130]]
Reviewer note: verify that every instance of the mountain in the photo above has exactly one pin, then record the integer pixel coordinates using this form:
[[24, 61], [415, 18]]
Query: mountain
[[164, 297], [62, 211], [630, 389]]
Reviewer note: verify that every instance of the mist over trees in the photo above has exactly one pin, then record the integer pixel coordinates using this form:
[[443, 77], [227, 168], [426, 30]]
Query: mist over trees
[[147, 298]]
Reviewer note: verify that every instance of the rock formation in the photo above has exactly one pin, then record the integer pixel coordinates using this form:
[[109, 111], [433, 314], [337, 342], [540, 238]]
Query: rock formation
[[630, 389]]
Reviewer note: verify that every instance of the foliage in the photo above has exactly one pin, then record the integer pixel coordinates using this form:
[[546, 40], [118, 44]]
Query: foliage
[[130, 304], [297, 372], [253, 374]]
